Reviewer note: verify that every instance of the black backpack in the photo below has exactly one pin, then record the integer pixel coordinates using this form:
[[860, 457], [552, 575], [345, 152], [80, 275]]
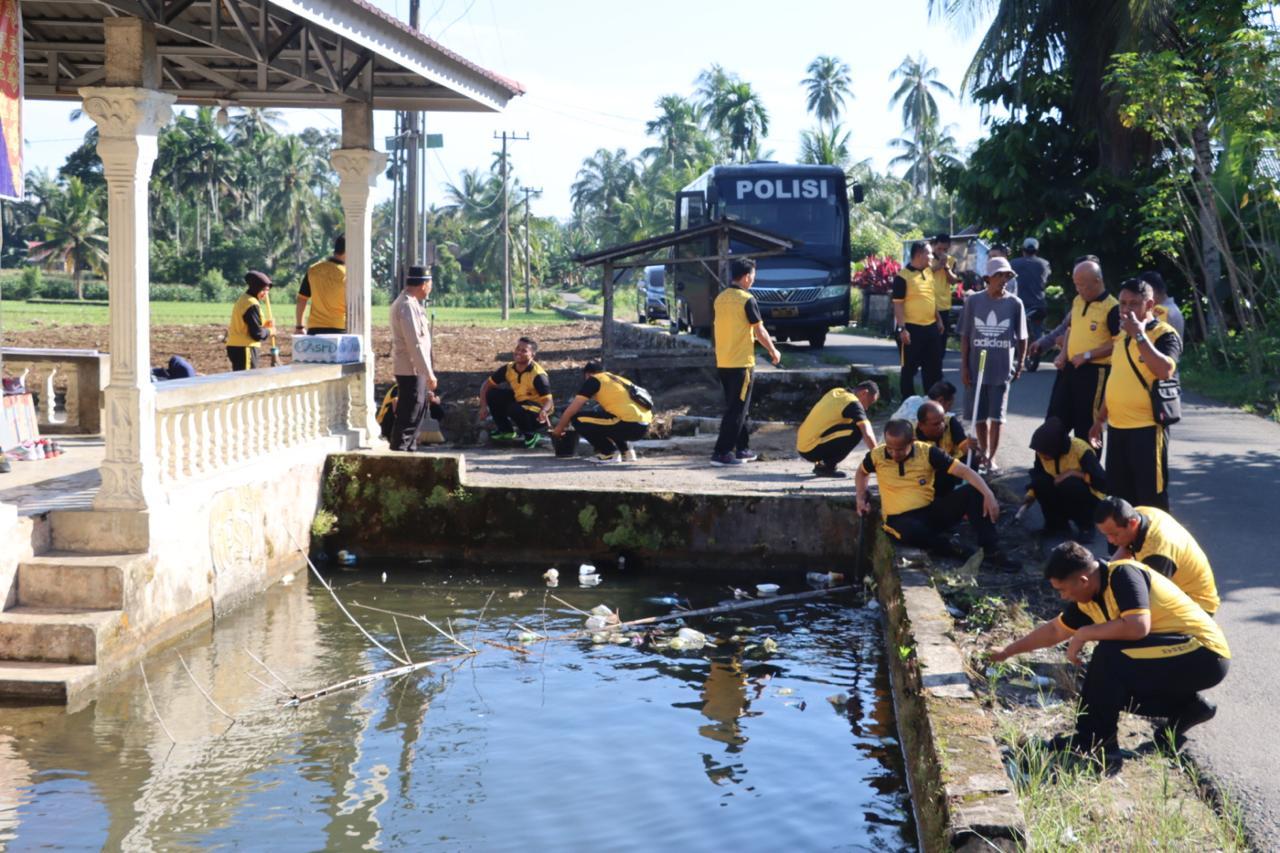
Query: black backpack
[[639, 396]]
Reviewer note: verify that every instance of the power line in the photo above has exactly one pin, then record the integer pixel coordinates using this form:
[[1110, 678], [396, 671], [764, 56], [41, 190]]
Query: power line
[[455, 20], [506, 222]]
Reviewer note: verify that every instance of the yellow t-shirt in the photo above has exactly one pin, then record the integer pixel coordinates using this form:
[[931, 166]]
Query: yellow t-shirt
[[611, 393], [327, 281], [1167, 547], [837, 414], [238, 329], [1073, 460], [735, 313], [908, 484], [942, 287], [1128, 402], [913, 288], [1130, 587], [1093, 325]]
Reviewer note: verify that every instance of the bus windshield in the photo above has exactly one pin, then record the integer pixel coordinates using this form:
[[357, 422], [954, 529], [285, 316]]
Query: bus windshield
[[815, 222]]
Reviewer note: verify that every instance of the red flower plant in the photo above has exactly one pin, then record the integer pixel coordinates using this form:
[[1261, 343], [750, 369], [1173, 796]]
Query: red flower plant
[[876, 275]]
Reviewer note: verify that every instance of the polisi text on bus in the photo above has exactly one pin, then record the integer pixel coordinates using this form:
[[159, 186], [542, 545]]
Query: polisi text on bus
[[781, 188]]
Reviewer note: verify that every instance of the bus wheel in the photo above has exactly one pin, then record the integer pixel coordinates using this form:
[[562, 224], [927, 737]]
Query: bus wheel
[[818, 340]]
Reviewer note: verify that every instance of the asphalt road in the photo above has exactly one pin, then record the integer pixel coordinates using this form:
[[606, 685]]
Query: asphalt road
[[1224, 488]]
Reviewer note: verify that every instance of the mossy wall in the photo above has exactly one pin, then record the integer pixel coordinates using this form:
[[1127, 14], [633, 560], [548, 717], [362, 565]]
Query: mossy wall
[[402, 505]]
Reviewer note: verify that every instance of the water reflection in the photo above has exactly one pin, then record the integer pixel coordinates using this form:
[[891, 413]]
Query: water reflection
[[570, 744]]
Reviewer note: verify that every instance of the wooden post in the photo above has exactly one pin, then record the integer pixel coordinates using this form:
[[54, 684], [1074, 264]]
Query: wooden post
[[606, 328], [722, 267]]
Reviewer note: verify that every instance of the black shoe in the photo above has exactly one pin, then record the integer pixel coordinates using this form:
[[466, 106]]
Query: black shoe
[[1173, 733], [822, 470], [1073, 743], [1000, 560], [948, 548]]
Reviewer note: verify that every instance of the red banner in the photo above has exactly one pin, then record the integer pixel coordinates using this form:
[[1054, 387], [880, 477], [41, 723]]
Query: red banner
[[10, 99]]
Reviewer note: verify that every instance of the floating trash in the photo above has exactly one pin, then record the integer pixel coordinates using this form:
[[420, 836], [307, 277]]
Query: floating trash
[[769, 646], [346, 558], [588, 580], [767, 588], [551, 576], [586, 569]]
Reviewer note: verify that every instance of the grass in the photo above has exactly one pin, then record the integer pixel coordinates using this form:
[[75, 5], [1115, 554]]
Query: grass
[[1258, 395], [1074, 805], [21, 316]]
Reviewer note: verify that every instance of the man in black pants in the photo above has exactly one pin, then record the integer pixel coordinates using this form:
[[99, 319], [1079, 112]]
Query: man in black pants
[[411, 358], [738, 325], [913, 514], [1156, 647], [1066, 479], [1138, 446], [518, 395], [917, 325], [1084, 361], [836, 425], [620, 419]]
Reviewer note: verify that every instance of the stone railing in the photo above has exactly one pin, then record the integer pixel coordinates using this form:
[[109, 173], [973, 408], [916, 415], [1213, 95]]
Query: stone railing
[[208, 424]]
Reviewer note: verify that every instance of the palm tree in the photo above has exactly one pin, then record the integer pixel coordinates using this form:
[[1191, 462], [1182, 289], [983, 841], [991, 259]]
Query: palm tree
[[475, 205], [676, 129], [827, 86], [743, 118], [924, 155], [291, 200], [919, 82], [825, 146], [601, 186], [74, 232]]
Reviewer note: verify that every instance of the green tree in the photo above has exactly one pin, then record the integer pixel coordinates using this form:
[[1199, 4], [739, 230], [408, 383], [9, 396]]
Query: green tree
[[826, 88], [916, 93], [75, 236], [602, 185], [925, 155], [826, 146], [681, 141], [742, 117]]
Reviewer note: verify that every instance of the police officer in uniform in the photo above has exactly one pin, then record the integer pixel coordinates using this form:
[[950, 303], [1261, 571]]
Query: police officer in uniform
[[737, 326], [411, 358], [247, 330], [619, 420], [1156, 648], [325, 287], [1066, 479], [942, 267], [518, 395], [835, 425], [1138, 447], [913, 513], [1083, 364], [945, 432], [917, 326], [1152, 537]]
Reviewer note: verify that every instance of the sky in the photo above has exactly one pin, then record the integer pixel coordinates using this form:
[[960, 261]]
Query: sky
[[593, 71]]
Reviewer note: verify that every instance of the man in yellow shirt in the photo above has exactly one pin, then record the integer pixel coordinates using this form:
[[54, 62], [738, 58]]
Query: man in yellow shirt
[[738, 326], [518, 395], [325, 287], [917, 325], [619, 420], [1156, 648], [1152, 537], [1138, 452], [835, 425], [1084, 362], [945, 279], [247, 330]]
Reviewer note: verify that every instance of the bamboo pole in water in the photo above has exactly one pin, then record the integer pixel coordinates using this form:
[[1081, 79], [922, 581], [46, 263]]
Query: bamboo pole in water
[[361, 680]]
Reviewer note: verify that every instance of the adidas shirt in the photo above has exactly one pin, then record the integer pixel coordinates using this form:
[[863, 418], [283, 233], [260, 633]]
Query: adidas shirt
[[994, 326]]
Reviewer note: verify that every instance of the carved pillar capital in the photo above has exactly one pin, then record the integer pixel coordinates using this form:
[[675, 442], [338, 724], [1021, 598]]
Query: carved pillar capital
[[128, 112]]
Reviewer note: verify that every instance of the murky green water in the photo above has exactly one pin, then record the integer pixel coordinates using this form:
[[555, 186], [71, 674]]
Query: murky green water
[[573, 746]]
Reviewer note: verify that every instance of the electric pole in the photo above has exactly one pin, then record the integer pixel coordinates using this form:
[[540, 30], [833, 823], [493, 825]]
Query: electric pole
[[506, 222], [528, 191]]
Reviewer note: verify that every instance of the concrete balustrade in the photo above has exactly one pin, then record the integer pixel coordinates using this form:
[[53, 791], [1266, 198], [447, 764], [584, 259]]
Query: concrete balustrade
[[209, 424]]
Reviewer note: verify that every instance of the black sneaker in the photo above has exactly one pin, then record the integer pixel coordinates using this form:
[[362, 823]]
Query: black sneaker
[[1173, 733], [722, 460], [821, 470], [747, 455]]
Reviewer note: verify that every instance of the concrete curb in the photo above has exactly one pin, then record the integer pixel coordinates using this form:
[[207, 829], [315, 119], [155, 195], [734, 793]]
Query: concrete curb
[[962, 794]]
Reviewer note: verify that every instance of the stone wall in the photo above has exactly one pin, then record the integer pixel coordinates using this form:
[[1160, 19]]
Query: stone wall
[[394, 505]]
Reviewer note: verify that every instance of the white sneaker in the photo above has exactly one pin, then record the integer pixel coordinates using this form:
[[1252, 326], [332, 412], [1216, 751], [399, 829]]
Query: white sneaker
[[607, 459], [630, 455]]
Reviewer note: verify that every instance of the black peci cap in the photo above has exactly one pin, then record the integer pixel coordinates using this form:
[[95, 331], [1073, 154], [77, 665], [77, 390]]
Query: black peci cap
[[417, 275]]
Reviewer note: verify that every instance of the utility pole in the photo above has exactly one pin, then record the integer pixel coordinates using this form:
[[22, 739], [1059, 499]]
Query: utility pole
[[528, 191], [506, 222]]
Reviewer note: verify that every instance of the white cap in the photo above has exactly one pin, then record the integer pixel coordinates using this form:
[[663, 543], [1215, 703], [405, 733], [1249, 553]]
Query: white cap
[[1031, 243], [996, 265]]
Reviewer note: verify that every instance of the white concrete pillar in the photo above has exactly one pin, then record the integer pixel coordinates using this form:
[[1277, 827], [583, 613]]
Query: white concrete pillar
[[128, 120], [358, 167]]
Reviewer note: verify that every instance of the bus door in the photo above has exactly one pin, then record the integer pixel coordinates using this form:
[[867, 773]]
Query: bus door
[[694, 291]]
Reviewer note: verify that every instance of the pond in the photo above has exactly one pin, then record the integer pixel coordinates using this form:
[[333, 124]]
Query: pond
[[735, 746]]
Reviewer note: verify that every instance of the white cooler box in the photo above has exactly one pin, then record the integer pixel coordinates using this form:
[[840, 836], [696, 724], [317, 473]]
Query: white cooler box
[[326, 349]]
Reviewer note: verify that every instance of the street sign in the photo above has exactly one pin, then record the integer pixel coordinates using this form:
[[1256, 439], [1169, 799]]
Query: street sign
[[435, 140]]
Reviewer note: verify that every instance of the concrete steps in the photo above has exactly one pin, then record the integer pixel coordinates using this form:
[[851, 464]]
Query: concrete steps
[[56, 634], [86, 582], [44, 683]]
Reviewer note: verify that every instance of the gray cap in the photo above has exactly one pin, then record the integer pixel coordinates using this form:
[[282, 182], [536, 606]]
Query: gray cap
[[1031, 243]]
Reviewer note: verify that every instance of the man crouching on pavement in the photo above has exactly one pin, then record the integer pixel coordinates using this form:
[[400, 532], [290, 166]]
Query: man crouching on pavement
[[518, 393], [913, 512], [1156, 648]]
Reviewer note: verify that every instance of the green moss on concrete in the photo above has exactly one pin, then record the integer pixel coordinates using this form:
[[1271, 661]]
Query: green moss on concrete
[[395, 501], [633, 531], [324, 524], [439, 498], [587, 518]]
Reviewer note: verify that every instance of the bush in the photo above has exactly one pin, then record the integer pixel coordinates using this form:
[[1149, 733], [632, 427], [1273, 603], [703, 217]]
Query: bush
[[174, 293], [213, 286], [877, 274], [31, 283]]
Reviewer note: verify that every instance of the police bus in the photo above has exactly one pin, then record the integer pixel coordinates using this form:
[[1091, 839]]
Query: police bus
[[801, 293]]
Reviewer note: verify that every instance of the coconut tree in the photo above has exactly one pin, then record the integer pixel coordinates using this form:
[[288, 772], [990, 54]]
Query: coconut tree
[[75, 235], [826, 88], [680, 139], [925, 154], [743, 118], [915, 93], [825, 146], [601, 186]]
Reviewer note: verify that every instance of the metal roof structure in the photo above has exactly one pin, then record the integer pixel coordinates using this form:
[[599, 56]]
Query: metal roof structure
[[768, 242], [260, 53]]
